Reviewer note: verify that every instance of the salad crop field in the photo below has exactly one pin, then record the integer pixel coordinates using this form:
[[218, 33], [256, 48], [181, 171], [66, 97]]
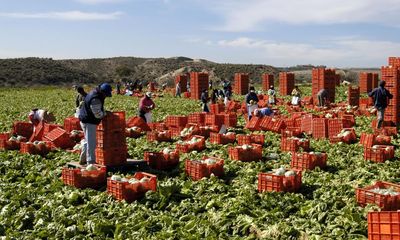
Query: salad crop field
[[35, 204]]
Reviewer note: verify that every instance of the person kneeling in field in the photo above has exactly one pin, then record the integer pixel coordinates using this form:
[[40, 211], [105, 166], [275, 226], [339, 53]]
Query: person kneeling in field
[[38, 115], [90, 115], [261, 112]]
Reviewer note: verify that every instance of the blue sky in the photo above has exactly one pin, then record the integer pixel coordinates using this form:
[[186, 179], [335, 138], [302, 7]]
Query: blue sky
[[336, 33]]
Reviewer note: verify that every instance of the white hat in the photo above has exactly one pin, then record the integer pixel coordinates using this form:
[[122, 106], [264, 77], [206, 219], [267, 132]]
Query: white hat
[[148, 94]]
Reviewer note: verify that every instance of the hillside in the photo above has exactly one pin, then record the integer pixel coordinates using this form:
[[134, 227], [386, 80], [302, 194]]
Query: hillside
[[46, 71]]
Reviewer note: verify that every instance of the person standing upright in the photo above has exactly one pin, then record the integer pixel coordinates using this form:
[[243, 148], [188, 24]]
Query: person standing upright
[[251, 102], [146, 104], [90, 115], [178, 89], [271, 95], [381, 98]]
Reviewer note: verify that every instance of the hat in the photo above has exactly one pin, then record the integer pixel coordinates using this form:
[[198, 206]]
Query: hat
[[149, 94], [272, 86], [106, 89]]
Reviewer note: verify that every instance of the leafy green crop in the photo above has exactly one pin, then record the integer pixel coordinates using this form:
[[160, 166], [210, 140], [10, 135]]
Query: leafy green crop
[[35, 204]]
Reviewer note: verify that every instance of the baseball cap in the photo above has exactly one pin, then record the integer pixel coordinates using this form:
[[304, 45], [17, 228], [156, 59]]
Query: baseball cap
[[106, 89]]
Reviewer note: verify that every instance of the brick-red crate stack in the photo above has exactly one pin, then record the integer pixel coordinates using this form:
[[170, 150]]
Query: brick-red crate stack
[[320, 128], [286, 83], [323, 79], [391, 75], [384, 225], [197, 118], [365, 82], [182, 79], [369, 195], [72, 123], [217, 108], [111, 149], [198, 82], [353, 96], [241, 86], [176, 121], [267, 81]]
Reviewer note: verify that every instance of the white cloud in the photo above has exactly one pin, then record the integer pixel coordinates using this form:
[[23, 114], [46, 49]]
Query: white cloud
[[253, 14], [68, 15], [340, 52]]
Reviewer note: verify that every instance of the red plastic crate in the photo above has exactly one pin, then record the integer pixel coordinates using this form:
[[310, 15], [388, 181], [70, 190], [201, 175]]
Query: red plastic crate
[[161, 161], [379, 154], [385, 202], [217, 108], [111, 157], [266, 123], [218, 138], [277, 125], [176, 121], [291, 132], [72, 123], [307, 123], [233, 106], [5, 136], [137, 122], [198, 146], [214, 119], [160, 126], [197, 118], [367, 139], [268, 182], [131, 192], [24, 129], [384, 225], [205, 131], [335, 126], [307, 161], [113, 121], [60, 138], [9, 145], [249, 139], [84, 179], [197, 170], [230, 120], [294, 144], [382, 140], [110, 139], [387, 131], [254, 124], [320, 128], [239, 154], [163, 136]]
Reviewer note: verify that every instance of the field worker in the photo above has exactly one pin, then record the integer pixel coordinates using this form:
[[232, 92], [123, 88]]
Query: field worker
[[146, 104], [204, 100], [296, 95], [90, 116], [178, 89], [38, 115], [214, 95], [188, 86], [271, 95], [381, 98], [118, 86], [251, 101], [80, 97], [261, 112], [322, 97]]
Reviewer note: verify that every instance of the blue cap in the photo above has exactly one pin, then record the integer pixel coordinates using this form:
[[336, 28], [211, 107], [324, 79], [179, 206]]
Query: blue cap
[[106, 89]]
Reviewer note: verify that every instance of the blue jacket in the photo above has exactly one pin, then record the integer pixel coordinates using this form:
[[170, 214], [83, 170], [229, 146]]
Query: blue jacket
[[381, 97], [85, 114]]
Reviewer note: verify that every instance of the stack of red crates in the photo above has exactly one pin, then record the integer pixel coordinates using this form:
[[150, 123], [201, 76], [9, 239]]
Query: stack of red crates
[[241, 86], [320, 128], [182, 79], [353, 96], [198, 82], [197, 118], [111, 149], [286, 83], [323, 79], [365, 82], [267, 81], [375, 80], [391, 75], [337, 79]]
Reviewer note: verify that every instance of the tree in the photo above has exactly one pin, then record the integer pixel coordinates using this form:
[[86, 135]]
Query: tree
[[123, 71]]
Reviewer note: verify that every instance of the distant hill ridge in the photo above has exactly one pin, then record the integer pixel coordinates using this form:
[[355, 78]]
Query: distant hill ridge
[[46, 71]]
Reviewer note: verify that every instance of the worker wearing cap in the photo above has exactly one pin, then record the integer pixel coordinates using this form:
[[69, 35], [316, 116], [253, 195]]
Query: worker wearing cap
[[271, 95], [146, 104], [90, 115]]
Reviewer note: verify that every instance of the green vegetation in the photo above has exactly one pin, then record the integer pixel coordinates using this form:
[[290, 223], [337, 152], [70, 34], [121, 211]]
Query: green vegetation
[[34, 203]]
